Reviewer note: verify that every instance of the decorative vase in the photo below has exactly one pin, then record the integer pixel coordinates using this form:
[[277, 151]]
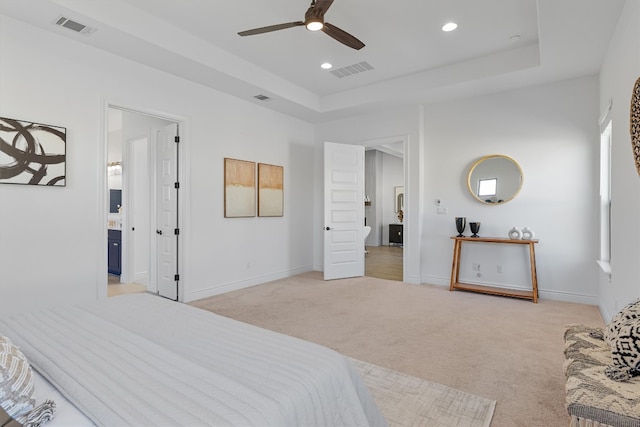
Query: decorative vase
[[400, 215], [475, 227], [515, 233], [528, 234], [461, 224]]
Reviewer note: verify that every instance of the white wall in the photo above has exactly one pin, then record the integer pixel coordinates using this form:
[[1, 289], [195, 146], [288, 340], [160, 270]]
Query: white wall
[[53, 240], [552, 131], [620, 70], [373, 189]]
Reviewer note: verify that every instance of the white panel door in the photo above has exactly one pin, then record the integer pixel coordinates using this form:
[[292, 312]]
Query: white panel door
[[167, 212], [343, 211], [137, 214]]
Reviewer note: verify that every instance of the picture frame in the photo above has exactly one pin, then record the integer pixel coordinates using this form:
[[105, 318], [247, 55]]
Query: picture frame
[[239, 188], [270, 190], [32, 153]]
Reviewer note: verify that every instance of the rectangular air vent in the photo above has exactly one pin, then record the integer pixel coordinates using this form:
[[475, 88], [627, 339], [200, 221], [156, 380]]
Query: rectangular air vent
[[75, 26], [262, 97], [350, 70]]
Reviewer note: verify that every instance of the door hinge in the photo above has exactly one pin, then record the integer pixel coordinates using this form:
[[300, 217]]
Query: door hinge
[[176, 277], [176, 185], [177, 139], [176, 231]]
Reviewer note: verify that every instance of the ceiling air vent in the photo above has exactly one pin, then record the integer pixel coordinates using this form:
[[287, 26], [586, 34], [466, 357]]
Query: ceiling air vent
[[262, 97], [350, 70], [74, 26]]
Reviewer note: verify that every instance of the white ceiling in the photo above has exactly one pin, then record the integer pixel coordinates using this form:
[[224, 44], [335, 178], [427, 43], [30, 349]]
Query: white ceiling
[[413, 60]]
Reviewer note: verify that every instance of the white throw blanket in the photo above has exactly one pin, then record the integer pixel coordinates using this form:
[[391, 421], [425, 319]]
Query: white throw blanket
[[145, 361]]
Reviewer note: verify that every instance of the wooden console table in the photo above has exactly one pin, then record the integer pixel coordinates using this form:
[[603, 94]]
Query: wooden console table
[[493, 290]]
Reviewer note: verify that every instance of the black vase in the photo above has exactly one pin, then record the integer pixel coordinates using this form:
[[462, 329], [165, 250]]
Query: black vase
[[461, 224], [475, 227]]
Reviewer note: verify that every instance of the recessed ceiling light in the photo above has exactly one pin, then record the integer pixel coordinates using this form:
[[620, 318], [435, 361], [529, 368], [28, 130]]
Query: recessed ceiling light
[[450, 26], [326, 66]]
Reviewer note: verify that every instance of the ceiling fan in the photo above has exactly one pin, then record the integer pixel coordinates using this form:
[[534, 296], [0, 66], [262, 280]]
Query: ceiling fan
[[314, 21]]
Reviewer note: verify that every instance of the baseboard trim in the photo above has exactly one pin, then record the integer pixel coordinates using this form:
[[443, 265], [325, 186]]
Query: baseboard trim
[[242, 284], [434, 280], [542, 293], [141, 278], [568, 297], [431, 280]]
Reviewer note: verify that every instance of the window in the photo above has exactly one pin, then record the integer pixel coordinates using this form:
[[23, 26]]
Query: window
[[605, 196], [487, 187]]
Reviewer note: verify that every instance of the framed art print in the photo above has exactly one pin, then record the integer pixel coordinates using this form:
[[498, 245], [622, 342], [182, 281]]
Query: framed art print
[[32, 153], [270, 190], [239, 188]]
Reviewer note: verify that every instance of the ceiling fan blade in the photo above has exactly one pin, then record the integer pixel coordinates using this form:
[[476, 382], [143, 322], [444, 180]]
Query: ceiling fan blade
[[342, 36], [270, 28], [321, 7]]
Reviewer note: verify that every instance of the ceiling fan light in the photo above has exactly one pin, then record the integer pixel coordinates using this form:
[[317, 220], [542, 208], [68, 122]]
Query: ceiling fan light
[[314, 25]]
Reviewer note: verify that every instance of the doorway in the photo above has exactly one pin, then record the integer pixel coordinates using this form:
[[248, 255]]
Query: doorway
[[142, 159], [384, 188]]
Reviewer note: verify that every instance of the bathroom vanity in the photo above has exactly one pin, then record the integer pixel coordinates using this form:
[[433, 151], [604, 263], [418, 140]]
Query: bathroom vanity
[[115, 252]]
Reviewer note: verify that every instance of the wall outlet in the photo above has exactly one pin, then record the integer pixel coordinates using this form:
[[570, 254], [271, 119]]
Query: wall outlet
[[476, 267], [442, 211]]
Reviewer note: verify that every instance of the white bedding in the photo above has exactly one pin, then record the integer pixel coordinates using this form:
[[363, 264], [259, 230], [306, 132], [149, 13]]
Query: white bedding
[[143, 360], [67, 415]]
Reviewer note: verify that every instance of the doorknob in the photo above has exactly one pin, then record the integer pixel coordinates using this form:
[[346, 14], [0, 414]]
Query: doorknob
[[158, 231], [327, 228]]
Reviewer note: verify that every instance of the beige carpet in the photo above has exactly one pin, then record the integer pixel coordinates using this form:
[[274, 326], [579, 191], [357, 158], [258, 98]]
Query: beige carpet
[[407, 401], [500, 348]]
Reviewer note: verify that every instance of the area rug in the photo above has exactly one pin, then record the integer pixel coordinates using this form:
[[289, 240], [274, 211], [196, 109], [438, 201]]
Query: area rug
[[407, 401]]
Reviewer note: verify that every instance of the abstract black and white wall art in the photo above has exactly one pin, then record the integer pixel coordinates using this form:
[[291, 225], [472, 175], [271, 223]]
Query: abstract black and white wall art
[[32, 153]]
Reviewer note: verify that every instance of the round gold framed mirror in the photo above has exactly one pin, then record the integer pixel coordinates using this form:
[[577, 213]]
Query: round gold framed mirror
[[495, 179]]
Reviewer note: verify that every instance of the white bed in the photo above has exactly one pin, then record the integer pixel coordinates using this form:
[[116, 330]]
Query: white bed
[[67, 415], [143, 360]]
